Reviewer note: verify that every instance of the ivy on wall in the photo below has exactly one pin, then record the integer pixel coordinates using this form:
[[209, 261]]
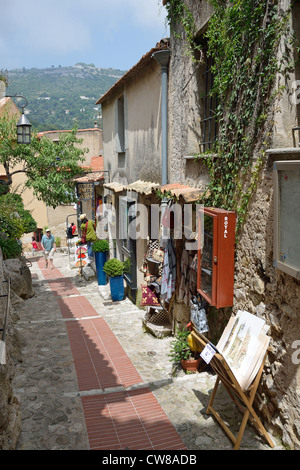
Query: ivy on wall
[[243, 38]]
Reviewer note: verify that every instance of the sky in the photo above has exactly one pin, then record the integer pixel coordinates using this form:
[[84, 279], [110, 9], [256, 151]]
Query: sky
[[106, 33]]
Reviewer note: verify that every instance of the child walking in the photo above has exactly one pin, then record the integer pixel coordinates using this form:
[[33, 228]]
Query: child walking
[[34, 246]]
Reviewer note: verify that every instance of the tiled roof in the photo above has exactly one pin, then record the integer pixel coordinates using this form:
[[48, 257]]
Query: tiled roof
[[90, 177], [5, 101], [97, 164], [188, 193], [60, 131], [133, 71]]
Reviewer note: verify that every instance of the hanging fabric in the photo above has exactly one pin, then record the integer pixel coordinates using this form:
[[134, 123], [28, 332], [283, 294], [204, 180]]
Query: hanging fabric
[[169, 271]]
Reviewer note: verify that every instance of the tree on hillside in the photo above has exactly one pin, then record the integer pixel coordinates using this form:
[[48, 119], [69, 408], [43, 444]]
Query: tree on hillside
[[50, 167]]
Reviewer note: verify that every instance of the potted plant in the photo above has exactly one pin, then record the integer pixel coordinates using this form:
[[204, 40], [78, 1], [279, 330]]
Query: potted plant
[[114, 268], [100, 248], [180, 351]]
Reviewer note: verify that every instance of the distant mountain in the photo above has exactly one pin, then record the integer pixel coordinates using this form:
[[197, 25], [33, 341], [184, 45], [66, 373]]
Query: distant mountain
[[58, 96]]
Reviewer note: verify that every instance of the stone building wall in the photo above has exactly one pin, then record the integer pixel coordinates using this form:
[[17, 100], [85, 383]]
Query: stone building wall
[[259, 288], [21, 288]]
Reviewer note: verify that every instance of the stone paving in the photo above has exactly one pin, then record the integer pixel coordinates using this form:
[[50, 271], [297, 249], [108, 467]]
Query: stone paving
[[46, 384]]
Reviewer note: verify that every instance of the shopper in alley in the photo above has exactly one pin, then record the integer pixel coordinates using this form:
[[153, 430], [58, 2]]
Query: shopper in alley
[[49, 247]]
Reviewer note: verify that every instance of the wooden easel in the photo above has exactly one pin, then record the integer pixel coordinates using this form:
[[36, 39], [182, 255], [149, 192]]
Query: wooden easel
[[243, 399]]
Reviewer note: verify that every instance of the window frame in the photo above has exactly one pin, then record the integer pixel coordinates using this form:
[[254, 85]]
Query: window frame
[[278, 263]]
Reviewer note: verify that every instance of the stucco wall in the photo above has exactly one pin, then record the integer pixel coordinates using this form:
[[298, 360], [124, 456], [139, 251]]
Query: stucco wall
[[91, 139], [143, 129]]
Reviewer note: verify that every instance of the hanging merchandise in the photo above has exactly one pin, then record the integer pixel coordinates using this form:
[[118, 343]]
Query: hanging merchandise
[[188, 281], [158, 255], [198, 314], [194, 264], [168, 216], [149, 297], [169, 271]]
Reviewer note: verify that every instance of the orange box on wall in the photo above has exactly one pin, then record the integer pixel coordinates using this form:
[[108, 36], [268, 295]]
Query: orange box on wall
[[216, 238]]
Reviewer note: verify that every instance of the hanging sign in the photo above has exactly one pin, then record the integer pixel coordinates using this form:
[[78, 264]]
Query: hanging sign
[[85, 191]]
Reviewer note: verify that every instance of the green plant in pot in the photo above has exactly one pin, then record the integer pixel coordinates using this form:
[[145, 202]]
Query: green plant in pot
[[114, 268], [181, 352], [100, 248]]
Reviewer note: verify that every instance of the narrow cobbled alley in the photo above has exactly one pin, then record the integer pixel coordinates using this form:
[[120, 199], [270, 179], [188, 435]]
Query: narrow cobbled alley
[[91, 378]]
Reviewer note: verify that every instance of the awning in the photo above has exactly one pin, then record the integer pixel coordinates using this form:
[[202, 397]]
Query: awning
[[188, 193], [139, 186], [90, 177], [114, 186]]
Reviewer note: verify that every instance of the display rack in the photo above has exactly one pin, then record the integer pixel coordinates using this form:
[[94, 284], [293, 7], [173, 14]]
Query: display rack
[[243, 399]]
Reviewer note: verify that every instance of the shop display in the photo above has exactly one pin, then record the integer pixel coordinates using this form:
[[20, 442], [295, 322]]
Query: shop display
[[148, 296], [215, 267], [158, 303], [81, 256], [198, 315], [238, 361], [188, 273]]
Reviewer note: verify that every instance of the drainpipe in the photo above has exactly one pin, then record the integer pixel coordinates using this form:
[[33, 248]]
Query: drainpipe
[[163, 57]]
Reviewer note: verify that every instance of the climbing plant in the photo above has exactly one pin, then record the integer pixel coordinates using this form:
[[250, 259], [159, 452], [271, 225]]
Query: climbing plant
[[178, 13], [242, 41]]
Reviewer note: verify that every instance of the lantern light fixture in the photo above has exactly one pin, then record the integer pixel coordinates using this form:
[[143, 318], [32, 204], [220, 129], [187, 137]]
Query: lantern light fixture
[[23, 125]]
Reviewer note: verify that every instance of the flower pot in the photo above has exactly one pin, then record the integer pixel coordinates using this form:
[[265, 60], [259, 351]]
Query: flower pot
[[100, 259], [116, 288], [190, 365]]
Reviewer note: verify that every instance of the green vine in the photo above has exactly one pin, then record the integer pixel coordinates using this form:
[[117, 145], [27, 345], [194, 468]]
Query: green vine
[[178, 13], [242, 41]]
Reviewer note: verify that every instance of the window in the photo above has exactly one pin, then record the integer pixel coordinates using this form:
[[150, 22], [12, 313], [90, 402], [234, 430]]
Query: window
[[286, 254], [209, 127], [120, 125]]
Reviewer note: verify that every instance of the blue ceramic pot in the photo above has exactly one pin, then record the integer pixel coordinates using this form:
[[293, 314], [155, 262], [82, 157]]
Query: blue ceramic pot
[[116, 288], [100, 259]]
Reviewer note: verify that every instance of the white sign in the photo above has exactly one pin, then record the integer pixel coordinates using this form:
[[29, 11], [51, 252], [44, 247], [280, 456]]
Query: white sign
[[208, 353]]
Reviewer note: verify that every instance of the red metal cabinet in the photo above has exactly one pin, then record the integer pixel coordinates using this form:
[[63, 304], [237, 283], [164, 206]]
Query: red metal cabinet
[[216, 237]]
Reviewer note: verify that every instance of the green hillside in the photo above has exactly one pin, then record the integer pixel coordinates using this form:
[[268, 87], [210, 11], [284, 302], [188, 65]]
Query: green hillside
[[58, 96]]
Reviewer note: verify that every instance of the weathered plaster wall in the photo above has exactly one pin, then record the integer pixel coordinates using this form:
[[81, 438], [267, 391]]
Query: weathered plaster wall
[[142, 156]]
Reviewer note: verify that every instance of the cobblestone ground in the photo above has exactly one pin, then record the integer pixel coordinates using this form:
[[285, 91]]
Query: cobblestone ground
[[45, 382]]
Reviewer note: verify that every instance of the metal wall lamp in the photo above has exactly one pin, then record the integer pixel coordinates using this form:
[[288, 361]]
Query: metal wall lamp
[[23, 125]]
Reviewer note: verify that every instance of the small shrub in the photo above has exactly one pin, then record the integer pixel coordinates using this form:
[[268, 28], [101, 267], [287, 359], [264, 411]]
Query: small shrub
[[100, 246], [113, 267]]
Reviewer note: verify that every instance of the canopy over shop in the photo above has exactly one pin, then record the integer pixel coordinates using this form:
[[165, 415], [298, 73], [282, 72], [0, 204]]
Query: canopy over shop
[[144, 276], [89, 191]]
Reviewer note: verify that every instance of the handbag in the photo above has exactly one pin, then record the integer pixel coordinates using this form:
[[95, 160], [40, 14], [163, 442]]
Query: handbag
[[198, 315], [158, 255]]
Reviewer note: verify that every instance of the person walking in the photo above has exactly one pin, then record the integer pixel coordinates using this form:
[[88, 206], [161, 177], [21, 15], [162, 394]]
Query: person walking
[[34, 246], [49, 247], [88, 234]]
